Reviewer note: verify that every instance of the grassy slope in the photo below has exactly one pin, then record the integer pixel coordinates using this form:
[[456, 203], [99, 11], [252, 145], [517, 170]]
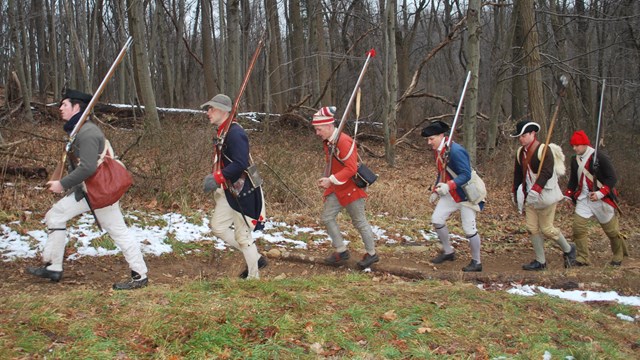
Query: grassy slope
[[356, 316]]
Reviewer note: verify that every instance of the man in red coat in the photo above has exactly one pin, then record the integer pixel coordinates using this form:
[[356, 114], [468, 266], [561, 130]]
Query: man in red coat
[[340, 191]]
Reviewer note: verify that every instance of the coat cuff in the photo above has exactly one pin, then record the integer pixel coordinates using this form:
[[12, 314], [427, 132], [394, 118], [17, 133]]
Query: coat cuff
[[605, 190], [335, 181], [537, 188], [452, 185], [219, 177]]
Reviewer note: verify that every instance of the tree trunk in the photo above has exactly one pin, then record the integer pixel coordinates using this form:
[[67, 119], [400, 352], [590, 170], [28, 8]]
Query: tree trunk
[[532, 62], [234, 75], [297, 51], [141, 65], [501, 50], [277, 80], [15, 15], [471, 99], [84, 83], [584, 66], [207, 51], [518, 100], [317, 45], [390, 83]]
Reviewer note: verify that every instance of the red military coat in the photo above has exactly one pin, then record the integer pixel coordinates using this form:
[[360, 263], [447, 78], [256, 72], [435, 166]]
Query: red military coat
[[342, 171]]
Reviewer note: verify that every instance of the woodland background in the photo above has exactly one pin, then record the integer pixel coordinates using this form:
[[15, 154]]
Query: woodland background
[[185, 52]]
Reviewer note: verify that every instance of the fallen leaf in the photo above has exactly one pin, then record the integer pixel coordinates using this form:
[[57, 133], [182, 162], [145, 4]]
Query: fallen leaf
[[423, 330], [316, 348], [390, 315]]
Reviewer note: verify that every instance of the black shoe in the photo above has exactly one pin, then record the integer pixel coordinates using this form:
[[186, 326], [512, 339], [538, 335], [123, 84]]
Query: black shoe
[[443, 257], [368, 260], [337, 258], [262, 262], [615, 263], [42, 272], [473, 267], [570, 257], [135, 283], [534, 265]]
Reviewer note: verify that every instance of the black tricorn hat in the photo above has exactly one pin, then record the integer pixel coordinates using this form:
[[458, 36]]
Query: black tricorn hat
[[525, 126], [435, 128], [76, 95]]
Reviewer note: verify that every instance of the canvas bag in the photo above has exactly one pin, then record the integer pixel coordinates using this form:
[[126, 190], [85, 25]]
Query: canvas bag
[[551, 193], [110, 181], [475, 189]]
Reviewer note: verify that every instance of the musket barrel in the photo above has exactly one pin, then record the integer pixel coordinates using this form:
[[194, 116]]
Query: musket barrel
[[455, 118], [604, 83], [347, 109], [103, 84]]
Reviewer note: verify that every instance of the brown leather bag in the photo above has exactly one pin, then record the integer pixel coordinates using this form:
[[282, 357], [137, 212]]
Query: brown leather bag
[[110, 181]]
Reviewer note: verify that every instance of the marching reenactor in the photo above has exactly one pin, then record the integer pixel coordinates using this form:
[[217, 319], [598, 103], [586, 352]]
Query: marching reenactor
[[537, 191], [594, 195], [239, 199], [340, 191], [89, 143], [453, 173]]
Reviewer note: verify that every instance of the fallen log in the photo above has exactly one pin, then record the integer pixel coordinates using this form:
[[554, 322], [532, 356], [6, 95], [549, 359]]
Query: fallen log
[[27, 172]]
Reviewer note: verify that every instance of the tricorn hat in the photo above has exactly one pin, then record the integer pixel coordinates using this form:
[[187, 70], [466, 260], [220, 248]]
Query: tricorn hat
[[435, 128], [220, 101], [525, 126]]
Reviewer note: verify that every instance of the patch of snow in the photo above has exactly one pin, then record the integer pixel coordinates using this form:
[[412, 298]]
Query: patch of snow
[[575, 295], [625, 317]]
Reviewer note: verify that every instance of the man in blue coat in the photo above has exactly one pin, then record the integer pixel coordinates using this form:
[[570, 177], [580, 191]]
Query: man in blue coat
[[238, 196], [450, 197]]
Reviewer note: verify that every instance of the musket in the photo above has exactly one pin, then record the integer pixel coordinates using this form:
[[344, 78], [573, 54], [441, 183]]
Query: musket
[[445, 159], [57, 174], [334, 141], [562, 90], [594, 166], [219, 141]]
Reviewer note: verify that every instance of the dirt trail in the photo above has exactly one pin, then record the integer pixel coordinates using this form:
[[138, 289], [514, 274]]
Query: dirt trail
[[402, 261]]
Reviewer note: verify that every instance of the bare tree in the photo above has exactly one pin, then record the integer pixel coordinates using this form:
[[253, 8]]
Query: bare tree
[[16, 16], [390, 82], [532, 61], [207, 50], [141, 65], [471, 102]]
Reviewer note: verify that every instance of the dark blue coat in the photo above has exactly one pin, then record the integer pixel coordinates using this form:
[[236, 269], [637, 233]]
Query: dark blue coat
[[235, 158]]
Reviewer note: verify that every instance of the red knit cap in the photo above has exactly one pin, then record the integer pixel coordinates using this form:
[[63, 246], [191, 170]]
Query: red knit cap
[[580, 138], [324, 116]]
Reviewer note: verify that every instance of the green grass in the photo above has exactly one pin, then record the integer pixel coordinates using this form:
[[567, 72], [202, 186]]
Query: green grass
[[325, 316]]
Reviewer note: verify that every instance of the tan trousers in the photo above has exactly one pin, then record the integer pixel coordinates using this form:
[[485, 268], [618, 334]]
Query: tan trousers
[[611, 229], [239, 237], [540, 224]]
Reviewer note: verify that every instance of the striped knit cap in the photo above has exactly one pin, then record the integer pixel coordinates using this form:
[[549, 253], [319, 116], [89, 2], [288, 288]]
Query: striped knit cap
[[324, 116]]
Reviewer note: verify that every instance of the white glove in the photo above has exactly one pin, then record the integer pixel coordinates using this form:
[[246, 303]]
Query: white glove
[[599, 195], [442, 189], [533, 198], [433, 198]]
